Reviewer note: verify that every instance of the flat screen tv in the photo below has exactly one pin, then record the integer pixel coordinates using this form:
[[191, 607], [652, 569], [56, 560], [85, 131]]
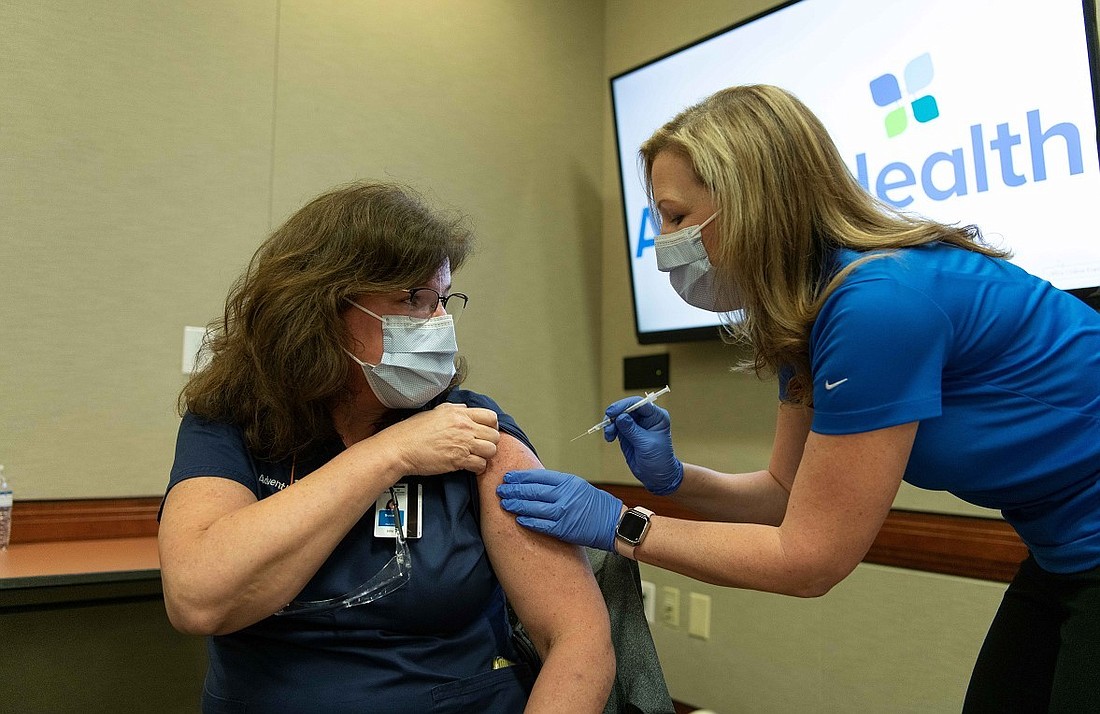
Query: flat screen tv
[[965, 111]]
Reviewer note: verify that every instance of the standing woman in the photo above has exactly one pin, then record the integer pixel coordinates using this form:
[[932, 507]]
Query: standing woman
[[905, 350], [330, 411]]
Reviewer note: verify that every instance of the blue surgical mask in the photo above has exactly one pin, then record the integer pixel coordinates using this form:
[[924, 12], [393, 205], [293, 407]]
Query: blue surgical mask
[[693, 277], [418, 359]]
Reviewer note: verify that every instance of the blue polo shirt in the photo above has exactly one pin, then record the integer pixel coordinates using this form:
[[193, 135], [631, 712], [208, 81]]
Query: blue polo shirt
[[428, 647], [1002, 371]]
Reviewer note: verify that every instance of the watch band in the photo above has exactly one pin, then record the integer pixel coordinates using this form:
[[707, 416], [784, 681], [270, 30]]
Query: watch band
[[629, 543]]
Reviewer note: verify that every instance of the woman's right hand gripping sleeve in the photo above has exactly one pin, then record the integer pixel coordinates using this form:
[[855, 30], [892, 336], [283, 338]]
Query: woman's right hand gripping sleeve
[[645, 437]]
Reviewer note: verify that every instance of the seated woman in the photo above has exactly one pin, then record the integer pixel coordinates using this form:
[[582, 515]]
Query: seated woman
[[329, 412]]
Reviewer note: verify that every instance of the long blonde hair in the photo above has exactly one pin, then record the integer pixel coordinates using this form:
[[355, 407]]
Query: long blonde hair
[[786, 202], [277, 361]]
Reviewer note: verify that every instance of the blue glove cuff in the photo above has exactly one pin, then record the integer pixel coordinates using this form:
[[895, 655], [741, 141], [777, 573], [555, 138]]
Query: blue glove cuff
[[614, 507], [674, 482]]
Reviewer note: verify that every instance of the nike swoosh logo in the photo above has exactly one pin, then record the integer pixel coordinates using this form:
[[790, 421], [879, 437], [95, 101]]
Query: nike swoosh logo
[[834, 385]]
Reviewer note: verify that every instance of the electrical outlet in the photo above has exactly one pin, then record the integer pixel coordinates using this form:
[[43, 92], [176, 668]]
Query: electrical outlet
[[670, 606], [649, 601], [699, 616]]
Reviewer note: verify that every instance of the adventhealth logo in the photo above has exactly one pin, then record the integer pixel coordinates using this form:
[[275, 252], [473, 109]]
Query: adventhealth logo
[[647, 233], [886, 91], [976, 163], [268, 481]]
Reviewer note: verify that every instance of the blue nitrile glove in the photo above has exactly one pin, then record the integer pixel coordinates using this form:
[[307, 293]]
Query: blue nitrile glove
[[645, 437], [561, 505]]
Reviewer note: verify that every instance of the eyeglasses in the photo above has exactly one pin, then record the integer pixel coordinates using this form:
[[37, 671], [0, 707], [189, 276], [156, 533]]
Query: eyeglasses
[[425, 301], [394, 574]]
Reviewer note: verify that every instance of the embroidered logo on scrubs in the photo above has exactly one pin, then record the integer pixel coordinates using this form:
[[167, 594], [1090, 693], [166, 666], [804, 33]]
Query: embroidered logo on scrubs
[[272, 482], [886, 91], [829, 386]]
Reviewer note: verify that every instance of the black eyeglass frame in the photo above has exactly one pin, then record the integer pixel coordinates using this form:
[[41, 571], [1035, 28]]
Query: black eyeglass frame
[[444, 299]]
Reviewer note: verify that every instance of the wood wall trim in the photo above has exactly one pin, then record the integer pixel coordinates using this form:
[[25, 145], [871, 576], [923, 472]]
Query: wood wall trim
[[972, 547], [83, 519], [985, 548]]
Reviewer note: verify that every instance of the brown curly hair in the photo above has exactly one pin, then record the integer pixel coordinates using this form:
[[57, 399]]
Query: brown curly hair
[[276, 360]]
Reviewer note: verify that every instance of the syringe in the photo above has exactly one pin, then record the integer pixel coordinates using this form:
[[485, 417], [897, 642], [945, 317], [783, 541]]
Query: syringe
[[649, 398]]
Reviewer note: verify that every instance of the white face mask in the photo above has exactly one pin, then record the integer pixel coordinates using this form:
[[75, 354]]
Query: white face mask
[[418, 359], [693, 277]]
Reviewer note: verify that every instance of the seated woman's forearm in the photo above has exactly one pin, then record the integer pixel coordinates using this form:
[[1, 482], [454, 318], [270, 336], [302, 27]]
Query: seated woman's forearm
[[218, 589], [251, 561], [577, 673]]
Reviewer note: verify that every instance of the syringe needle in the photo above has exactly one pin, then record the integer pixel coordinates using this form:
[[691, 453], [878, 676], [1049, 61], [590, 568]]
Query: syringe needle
[[649, 398], [594, 428]]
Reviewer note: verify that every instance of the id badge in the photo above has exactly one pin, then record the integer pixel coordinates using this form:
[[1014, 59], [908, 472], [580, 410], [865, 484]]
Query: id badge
[[410, 510]]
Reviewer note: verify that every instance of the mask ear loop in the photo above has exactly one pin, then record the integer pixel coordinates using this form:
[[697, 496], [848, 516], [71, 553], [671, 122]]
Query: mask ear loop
[[393, 575], [360, 362]]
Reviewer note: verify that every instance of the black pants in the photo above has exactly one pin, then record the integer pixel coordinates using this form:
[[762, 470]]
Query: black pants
[[1042, 652]]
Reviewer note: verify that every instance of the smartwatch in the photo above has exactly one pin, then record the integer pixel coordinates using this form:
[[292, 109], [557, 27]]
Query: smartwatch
[[632, 527]]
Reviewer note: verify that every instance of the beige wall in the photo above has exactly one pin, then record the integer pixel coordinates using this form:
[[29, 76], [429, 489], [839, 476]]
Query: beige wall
[[884, 640], [149, 147]]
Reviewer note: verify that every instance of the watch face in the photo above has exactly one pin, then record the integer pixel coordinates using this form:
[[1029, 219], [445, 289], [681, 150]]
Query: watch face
[[632, 527]]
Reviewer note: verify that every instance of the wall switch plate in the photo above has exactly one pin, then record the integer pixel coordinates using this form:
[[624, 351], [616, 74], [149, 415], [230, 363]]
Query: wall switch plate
[[699, 616], [649, 601], [192, 345], [670, 606]]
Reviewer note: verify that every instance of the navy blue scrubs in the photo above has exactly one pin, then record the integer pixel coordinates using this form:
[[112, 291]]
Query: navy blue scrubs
[[428, 647]]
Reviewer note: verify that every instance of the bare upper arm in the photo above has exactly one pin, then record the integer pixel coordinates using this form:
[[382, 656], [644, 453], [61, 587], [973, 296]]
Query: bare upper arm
[[844, 490], [549, 583], [191, 506], [792, 427]]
